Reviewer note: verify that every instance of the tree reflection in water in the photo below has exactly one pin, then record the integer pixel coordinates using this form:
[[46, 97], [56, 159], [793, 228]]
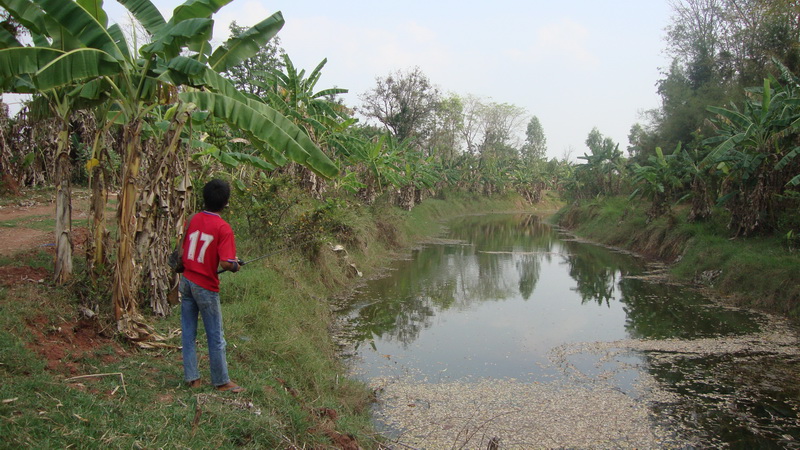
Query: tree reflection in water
[[500, 258]]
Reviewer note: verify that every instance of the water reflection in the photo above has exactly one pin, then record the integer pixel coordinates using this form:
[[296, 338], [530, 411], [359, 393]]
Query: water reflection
[[501, 259], [662, 311], [508, 289]]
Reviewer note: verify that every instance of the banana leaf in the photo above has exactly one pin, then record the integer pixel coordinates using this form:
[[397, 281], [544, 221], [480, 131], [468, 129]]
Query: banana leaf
[[196, 9], [74, 66], [146, 13], [81, 25], [27, 14], [95, 8], [7, 39], [19, 62], [172, 39], [238, 49], [116, 33], [264, 124], [735, 117], [252, 160]]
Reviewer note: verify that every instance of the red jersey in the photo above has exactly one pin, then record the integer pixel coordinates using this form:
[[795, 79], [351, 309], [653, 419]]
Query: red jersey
[[209, 240]]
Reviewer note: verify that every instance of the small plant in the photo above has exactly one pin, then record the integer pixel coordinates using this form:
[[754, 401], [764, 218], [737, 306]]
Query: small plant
[[792, 240]]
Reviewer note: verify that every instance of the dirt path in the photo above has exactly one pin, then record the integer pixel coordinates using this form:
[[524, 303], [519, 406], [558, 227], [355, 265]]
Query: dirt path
[[17, 234], [26, 224]]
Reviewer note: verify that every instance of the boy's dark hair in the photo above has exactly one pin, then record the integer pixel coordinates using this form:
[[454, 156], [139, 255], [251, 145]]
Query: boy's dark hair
[[216, 194]]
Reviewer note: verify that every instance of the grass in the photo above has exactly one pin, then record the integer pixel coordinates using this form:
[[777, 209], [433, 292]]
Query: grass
[[32, 195], [42, 223], [759, 272], [277, 317]]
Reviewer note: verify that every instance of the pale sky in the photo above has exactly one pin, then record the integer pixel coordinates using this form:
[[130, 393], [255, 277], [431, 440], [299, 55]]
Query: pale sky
[[575, 65]]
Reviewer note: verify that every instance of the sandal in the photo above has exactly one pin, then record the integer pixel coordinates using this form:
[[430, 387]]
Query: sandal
[[194, 383], [230, 386]]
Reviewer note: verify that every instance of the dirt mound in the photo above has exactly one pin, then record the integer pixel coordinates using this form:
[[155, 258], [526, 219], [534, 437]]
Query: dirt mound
[[66, 346]]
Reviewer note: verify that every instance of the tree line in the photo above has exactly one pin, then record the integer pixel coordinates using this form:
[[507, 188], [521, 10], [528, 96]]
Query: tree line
[[726, 138]]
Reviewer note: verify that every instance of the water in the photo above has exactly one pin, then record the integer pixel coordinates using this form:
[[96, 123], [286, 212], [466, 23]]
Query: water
[[503, 291]]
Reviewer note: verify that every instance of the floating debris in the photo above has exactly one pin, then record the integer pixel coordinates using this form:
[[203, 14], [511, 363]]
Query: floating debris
[[517, 415], [586, 408]]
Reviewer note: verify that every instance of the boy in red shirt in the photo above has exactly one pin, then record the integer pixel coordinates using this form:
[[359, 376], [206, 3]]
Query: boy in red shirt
[[209, 244]]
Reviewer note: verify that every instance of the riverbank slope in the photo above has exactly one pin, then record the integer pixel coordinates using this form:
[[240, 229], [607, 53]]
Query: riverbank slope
[[69, 380], [760, 272]]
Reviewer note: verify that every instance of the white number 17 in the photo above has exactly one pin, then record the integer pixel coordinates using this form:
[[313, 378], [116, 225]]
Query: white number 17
[[206, 239]]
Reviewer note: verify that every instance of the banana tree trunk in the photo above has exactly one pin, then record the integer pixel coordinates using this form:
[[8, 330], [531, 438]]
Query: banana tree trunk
[[127, 271], [405, 197], [161, 212], [63, 236], [701, 203], [11, 172], [125, 279], [97, 244]]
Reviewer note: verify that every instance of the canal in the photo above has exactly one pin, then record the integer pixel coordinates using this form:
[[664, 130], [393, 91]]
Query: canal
[[508, 331]]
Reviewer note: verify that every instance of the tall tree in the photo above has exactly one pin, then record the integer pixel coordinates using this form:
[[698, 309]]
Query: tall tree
[[471, 129], [718, 47], [694, 37], [446, 127], [535, 146], [501, 124], [403, 102]]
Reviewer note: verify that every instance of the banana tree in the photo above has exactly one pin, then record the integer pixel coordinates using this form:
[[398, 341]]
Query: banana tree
[[528, 178], [95, 59], [277, 137], [39, 69], [702, 182], [294, 94], [378, 163], [658, 181], [753, 149], [189, 29], [100, 180], [86, 58], [420, 174]]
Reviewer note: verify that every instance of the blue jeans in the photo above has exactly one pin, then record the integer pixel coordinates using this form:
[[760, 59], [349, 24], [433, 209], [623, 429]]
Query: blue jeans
[[194, 300]]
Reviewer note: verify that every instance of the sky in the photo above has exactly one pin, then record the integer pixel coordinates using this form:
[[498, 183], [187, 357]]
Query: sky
[[574, 65]]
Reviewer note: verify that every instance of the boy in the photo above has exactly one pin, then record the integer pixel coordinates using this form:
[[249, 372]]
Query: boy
[[208, 243]]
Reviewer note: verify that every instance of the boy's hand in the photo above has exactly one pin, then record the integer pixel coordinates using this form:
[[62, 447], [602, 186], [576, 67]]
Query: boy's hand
[[231, 266]]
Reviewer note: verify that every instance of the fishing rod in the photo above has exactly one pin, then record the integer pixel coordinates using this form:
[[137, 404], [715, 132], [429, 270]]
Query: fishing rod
[[242, 263]]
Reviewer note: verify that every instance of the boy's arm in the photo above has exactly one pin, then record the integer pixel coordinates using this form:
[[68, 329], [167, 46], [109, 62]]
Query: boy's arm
[[227, 250]]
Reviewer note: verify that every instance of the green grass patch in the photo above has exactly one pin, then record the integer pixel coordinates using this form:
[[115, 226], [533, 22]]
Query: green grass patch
[[31, 196], [37, 222]]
